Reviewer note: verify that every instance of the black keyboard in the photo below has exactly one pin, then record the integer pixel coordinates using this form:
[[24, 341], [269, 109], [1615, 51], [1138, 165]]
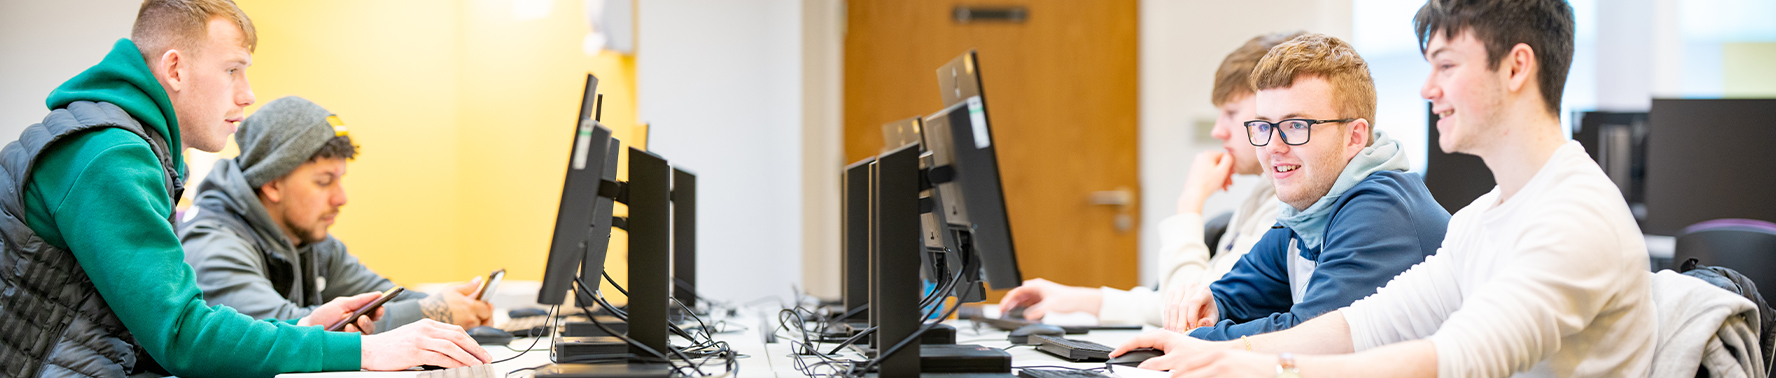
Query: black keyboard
[[1004, 324], [1072, 350], [483, 371], [535, 326], [1059, 373]]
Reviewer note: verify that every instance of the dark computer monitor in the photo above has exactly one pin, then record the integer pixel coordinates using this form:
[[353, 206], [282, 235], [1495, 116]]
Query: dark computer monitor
[[590, 101], [894, 299], [1617, 142], [856, 238], [684, 236], [598, 246], [965, 169], [650, 249], [1702, 162], [901, 133], [574, 221], [939, 242], [1454, 179]]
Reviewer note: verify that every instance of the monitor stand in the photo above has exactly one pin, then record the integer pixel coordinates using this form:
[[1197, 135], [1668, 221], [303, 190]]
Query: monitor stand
[[632, 370]]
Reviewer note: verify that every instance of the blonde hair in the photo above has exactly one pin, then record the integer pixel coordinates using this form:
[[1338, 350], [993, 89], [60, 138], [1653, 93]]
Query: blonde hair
[[1233, 78], [1324, 56], [163, 25]]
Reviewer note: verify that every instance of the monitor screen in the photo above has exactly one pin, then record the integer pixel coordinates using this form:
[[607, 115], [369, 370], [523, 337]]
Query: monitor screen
[[599, 243], [961, 145], [574, 222], [966, 172], [1702, 162], [579, 234]]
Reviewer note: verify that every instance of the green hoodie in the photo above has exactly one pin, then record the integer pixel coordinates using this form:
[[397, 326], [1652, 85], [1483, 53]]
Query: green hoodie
[[101, 195]]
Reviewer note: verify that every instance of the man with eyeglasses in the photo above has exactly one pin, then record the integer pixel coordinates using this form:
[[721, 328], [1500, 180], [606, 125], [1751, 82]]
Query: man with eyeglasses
[[1545, 276], [1352, 217]]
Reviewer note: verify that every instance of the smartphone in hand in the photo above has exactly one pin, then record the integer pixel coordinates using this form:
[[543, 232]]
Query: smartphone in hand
[[353, 318], [489, 285]]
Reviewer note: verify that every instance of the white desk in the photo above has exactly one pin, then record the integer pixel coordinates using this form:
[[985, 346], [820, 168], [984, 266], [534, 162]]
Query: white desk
[[776, 360], [782, 360]]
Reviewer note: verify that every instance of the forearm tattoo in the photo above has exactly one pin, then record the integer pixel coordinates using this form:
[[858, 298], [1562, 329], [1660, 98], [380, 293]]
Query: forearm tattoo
[[434, 308]]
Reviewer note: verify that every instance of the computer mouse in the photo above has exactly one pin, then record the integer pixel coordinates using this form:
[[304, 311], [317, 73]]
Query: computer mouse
[[485, 335], [1134, 357], [527, 312], [1015, 313], [1021, 335]]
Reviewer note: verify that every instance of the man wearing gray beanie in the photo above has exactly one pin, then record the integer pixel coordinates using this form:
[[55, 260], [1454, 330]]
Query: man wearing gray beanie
[[257, 234]]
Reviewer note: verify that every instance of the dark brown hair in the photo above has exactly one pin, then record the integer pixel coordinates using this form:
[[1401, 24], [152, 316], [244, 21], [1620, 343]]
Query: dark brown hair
[[338, 147], [1232, 79], [1545, 25]]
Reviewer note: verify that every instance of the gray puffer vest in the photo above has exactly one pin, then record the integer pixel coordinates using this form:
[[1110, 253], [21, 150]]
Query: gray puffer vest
[[52, 320]]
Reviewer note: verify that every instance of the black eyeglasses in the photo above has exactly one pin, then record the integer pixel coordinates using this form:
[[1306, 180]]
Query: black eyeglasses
[[1296, 131]]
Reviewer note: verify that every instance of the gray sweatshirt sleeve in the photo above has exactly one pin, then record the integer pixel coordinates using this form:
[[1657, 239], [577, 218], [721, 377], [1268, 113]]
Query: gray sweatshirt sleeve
[[231, 273], [346, 276]]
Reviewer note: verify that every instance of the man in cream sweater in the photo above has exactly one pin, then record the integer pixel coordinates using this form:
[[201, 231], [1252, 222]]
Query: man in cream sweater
[[1185, 259], [1544, 276]]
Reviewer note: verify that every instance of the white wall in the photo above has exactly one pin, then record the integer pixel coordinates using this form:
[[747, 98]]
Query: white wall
[[721, 84], [1182, 43], [823, 143], [47, 42]]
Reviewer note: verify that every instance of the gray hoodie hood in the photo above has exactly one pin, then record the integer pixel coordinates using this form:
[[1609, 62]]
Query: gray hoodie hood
[[226, 189]]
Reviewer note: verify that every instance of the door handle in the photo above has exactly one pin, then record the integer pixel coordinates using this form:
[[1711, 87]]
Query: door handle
[[1124, 201], [966, 14], [1119, 197]]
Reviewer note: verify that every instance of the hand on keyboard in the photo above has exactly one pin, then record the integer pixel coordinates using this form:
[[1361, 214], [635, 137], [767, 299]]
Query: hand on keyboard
[[1039, 297], [425, 342]]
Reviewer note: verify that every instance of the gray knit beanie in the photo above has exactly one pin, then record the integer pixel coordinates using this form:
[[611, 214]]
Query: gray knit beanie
[[282, 135]]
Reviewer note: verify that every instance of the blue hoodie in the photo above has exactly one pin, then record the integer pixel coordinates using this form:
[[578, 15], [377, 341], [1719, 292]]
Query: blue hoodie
[[1376, 222]]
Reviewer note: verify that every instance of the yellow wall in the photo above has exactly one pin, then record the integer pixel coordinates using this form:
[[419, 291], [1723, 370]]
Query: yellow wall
[[463, 113], [1747, 71]]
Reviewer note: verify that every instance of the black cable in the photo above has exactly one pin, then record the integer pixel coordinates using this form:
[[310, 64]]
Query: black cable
[[880, 355], [805, 348], [509, 373], [624, 315], [853, 339], [1106, 368], [613, 282], [582, 286], [722, 347], [533, 343]]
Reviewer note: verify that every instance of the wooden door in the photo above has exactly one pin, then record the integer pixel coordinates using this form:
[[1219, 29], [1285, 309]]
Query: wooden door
[[1061, 89]]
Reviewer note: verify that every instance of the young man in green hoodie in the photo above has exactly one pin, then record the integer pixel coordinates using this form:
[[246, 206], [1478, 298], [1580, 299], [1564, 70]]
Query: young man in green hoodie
[[92, 278]]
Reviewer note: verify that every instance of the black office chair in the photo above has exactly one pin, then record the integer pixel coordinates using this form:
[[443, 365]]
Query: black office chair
[[1212, 229], [1748, 246]]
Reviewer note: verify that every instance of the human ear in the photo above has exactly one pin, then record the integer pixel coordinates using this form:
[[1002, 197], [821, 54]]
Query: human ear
[[171, 68], [272, 191], [1520, 65], [1358, 137]]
